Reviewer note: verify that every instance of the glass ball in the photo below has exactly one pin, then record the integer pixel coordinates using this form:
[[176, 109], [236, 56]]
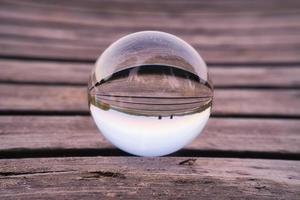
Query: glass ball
[[149, 93]]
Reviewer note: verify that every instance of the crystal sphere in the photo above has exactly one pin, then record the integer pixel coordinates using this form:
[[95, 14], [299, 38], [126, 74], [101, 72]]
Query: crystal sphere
[[149, 93]]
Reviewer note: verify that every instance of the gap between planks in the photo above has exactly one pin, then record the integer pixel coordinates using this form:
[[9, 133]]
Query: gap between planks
[[50, 153]]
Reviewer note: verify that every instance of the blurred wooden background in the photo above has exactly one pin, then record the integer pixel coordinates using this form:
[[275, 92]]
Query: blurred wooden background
[[50, 148]]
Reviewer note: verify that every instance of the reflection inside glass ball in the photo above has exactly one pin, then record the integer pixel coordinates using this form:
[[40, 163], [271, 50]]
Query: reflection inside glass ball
[[149, 93]]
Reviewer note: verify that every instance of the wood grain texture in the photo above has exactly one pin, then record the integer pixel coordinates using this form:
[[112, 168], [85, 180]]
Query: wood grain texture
[[226, 101], [44, 111], [156, 178], [22, 71], [44, 72], [222, 32], [79, 132]]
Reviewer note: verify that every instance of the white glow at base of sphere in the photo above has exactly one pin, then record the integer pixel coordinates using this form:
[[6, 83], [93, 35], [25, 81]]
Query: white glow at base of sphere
[[146, 135]]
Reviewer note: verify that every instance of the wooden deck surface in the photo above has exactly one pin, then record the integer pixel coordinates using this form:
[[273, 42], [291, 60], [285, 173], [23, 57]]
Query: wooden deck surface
[[51, 149]]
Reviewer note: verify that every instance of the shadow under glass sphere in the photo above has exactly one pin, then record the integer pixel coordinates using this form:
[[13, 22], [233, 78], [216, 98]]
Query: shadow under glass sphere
[[149, 93]]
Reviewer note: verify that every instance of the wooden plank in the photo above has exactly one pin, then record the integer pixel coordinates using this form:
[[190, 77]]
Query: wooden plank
[[44, 72], [215, 35], [203, 40], [218, 54], [226, 101], [79, 132], [159, 8], [78, 73], [47, 98], [259, 76], [155, 178], [69, 32], [155, 7], [112, 25], [270, 102]]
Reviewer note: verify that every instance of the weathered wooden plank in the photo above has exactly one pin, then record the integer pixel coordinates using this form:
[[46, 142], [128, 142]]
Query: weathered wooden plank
[[176, 8], [44, 72], [92, 31], [280, 76], [155, 178], [155, 7], [79, 132], [115, 24], [271, 102], [218, 55], [226, 101], [54, 32], [78, 73], [77, 44], [202, 39], [161, 7]]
